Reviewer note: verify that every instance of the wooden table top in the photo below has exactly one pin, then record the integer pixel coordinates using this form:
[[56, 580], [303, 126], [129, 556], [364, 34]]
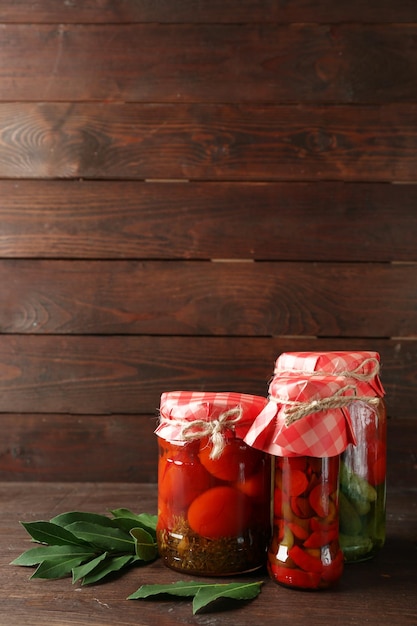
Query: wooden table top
[[378, 592]]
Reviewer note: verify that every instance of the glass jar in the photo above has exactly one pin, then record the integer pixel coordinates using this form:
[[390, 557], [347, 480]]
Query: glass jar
[[363, 466], [213, 500], [306, 428], [363, 484], [304, 552]]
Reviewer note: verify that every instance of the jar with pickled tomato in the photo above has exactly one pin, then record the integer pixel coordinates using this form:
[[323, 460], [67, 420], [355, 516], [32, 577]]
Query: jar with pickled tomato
[[362, 496], [305, 552], [214, 490]]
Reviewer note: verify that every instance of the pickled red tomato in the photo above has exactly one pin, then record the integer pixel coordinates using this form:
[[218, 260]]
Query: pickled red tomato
[[181, 483], [257, 486], [237, 462], [219, 512], [173, 453]]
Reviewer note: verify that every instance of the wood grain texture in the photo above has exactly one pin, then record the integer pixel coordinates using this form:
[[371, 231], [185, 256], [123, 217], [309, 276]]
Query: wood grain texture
[[200, 298], [267, 63], [281, 128], [123, 448], [209, 142], [98, 448], [265, 221], [382, 589], [194, 11], [127, 374]]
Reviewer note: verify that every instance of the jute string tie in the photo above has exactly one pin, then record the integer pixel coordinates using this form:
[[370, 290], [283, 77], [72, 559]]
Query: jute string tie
[[214, 429], [298, 410]]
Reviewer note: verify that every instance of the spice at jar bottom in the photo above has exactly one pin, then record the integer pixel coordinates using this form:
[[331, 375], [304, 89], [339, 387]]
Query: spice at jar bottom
[[183, 550]]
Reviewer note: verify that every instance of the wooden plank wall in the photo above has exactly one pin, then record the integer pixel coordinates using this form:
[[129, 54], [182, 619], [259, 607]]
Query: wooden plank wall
[[188, 189]]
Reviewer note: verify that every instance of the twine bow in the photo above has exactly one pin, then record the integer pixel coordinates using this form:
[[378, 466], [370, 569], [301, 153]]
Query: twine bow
[[214, 429], [338, 400]]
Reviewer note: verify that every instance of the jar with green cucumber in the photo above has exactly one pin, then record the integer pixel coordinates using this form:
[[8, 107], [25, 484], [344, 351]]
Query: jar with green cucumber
[[362, 495]]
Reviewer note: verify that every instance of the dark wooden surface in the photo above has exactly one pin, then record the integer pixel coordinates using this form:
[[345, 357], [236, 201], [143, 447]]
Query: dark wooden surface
[[194, 11], [330, 221], [257, 299], [123, 448], [188, 189], [380, 592], [209, 141], [98, 374], [275, 62]]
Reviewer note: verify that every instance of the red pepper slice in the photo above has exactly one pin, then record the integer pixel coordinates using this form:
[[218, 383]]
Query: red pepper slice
[[298, 531], [306, 561], [320, 538], [319, 499], [333, 572], [294, 577], [297, 483], [301, 507]]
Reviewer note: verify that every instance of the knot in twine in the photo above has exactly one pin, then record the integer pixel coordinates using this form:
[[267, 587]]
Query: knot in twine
[[355, 373], [298, 410], [214, 429]]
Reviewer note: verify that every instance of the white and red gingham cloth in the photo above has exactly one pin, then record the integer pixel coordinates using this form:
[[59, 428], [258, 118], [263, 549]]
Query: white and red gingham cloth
[[362, 367], [302, 378], [182, 408]]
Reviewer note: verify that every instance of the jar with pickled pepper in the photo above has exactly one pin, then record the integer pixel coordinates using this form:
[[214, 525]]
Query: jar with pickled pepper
[[362, 497], [304, 427], [214, 490], [305, 550]]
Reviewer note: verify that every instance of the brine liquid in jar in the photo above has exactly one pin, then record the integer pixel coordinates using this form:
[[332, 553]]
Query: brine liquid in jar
[[213, 514], [304, 552], [363, 484]]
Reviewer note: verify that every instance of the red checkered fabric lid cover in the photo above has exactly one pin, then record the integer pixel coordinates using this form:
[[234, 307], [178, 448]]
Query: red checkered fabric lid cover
[[183, 408], [303, 379], [362, 367]]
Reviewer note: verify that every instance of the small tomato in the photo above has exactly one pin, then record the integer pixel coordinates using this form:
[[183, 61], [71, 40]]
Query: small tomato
[[237, 462], [219, 512]]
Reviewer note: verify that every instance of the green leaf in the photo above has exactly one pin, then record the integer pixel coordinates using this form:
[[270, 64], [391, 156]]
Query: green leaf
[[143, 518], [90, 545], [108, 566], [203, 593], [82, 570], [65, 519], [127, 520], [180, 588], [57, 568], [126, 524], [34, 556], [145, 546], [110, 539], [237, 591], [51, 534]]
